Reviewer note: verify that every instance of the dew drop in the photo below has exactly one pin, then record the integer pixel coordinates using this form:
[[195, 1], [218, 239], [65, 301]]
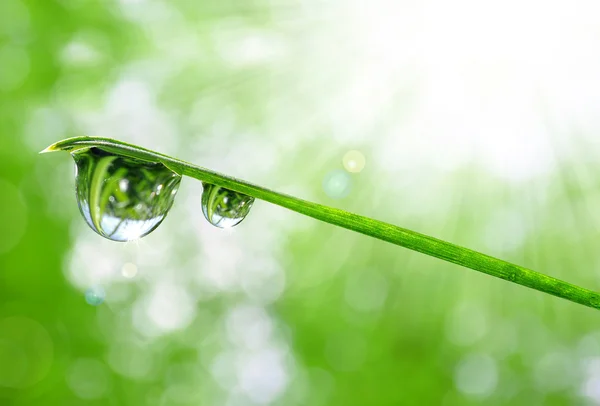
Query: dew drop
[[337, 184], [95, 295], [224, 208], [117, 195]]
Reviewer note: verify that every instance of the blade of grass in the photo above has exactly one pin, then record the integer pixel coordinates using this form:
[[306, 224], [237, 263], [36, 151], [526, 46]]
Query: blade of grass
[[361, 224]]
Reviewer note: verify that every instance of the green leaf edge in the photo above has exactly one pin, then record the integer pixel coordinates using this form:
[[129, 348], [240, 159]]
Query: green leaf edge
[[374, 228]]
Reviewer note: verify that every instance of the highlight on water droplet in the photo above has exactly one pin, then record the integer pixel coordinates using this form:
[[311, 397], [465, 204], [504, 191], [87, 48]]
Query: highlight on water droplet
[[337, 184], [95, 295], [122, 198], [224, 208], [354, 161]]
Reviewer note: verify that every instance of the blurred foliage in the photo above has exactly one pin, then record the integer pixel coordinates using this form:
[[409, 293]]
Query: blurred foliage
[[283, 310]]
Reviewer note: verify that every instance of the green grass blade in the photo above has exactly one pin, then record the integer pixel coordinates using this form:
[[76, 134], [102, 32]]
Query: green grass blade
[[361, 224]]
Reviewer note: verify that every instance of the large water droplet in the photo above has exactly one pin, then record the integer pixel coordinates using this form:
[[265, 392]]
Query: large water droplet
[[122, 198], [224, 208]]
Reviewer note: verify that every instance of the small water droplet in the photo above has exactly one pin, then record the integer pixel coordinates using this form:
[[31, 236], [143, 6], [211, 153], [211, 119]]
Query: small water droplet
[[95, 295], [337, 184], [116, 194], [224, 208]]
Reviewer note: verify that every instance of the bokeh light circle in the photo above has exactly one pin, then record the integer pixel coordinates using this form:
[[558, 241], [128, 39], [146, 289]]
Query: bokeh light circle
[[129, 270], [13, 216], [26, 352], [18, 59], [88, 378], [14, 18], [476, 375], [354, 161]]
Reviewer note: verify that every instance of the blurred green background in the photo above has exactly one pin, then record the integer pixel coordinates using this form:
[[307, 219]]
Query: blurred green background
[[478, 123]]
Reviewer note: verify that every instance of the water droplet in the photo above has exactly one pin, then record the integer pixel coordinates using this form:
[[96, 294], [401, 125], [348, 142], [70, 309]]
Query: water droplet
[[224, 208], [95, 295], [118, 196], [337, 184]]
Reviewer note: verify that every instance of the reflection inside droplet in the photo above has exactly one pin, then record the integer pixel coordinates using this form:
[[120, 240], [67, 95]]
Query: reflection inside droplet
[[118, 196], [224, 208]]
